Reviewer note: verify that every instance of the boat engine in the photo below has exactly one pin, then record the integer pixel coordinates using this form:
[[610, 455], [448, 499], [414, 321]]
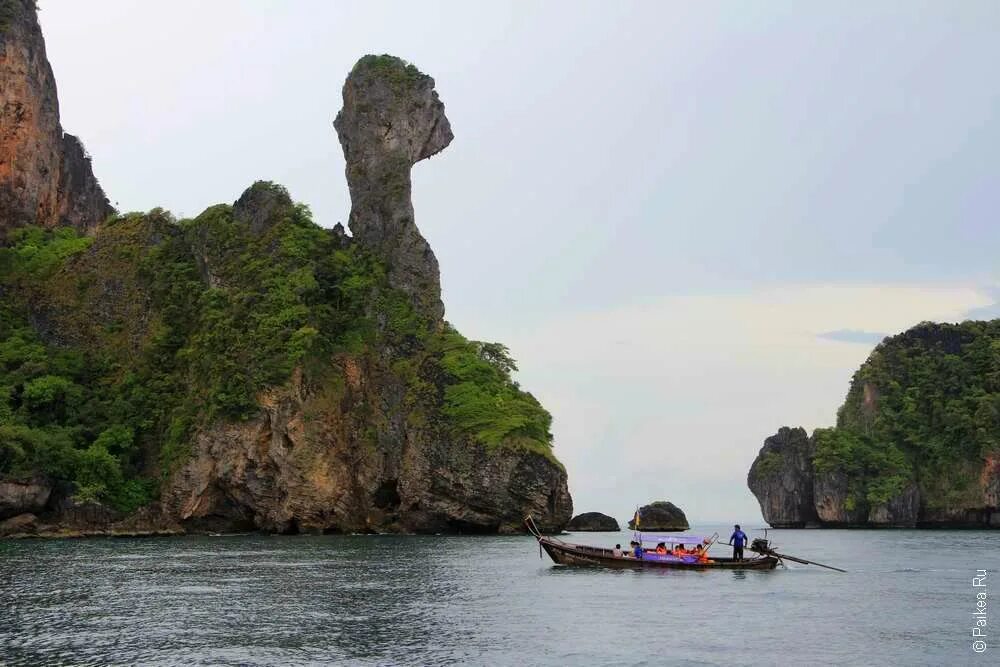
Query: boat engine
[[761, 545]]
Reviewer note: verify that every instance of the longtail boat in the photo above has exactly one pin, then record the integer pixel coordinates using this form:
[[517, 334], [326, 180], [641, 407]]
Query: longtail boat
[[566, 553]]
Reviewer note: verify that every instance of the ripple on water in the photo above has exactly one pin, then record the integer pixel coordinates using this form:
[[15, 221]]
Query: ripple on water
[[383, 600]]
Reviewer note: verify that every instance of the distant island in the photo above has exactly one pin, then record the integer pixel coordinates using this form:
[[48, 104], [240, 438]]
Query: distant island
[[917, 441], [660, 515], [246, 369], [593, 522]]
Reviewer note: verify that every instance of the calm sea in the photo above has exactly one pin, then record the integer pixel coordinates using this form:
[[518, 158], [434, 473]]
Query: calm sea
[[370, 600]]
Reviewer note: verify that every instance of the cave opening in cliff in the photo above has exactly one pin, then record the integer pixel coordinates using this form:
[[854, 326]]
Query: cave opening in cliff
[[387, 495]]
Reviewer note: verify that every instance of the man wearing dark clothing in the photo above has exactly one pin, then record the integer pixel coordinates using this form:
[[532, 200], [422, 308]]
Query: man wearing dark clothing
[[738, 539]]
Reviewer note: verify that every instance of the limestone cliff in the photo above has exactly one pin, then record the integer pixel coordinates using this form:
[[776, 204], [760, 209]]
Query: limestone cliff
[[781, 477], [45, 174], [248, 369], [310, 464], [917, 441], [392, 118]]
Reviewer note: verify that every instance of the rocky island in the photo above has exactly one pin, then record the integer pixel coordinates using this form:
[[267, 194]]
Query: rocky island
[[917, 441], [246, 369], [593, 522], [660, 515]]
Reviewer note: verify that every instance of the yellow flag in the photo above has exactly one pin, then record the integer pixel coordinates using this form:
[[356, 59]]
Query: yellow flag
[[636, 520]]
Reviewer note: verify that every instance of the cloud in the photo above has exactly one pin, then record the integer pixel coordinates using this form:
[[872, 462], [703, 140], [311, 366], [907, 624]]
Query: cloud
[[989, 311], [672, 399], [852, 336]]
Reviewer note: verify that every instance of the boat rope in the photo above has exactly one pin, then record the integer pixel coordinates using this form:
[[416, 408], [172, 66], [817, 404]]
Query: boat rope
[[529, 523]]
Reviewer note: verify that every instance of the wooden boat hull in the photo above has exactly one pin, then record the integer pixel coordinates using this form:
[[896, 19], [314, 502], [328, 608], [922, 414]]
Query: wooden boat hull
[[564, 553]]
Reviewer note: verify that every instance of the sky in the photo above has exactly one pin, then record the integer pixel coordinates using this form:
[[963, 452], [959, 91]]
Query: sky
[[690, 222]]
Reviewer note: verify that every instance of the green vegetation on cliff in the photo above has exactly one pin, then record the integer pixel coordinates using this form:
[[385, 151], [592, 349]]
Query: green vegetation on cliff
[[396, 71], [115, 350], [924, 407], [12, 9], [482, 400]]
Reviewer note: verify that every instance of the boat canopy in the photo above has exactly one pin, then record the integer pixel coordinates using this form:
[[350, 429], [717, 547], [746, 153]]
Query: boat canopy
[[673, 539]]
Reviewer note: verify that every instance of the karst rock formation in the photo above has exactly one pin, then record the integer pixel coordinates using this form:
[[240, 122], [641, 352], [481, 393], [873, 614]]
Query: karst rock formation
[[392, 118], [338, 399], [45, 174]]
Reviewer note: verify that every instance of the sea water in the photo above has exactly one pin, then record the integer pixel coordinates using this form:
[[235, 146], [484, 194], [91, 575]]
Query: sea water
[[907, 599]]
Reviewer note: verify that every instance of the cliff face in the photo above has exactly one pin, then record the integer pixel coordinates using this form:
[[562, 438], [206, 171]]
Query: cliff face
[[392, 118], [310, 462], [917, 441], [45, 175], [782, 479], [18, 497], [248, 369]]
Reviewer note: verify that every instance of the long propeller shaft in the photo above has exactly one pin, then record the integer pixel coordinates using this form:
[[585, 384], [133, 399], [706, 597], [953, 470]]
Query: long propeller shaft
[[804, 561], [794, 559]]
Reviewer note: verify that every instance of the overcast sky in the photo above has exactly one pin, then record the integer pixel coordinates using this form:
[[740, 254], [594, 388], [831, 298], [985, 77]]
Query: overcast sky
[[689, 221]]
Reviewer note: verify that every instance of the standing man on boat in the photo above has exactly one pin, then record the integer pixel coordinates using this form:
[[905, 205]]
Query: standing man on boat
[[738, 539]]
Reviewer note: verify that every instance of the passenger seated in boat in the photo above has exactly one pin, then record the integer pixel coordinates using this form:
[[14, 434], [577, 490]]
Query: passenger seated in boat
[[679, 550], [661, 549], [701, 554], [638, 550], [617, 551]]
